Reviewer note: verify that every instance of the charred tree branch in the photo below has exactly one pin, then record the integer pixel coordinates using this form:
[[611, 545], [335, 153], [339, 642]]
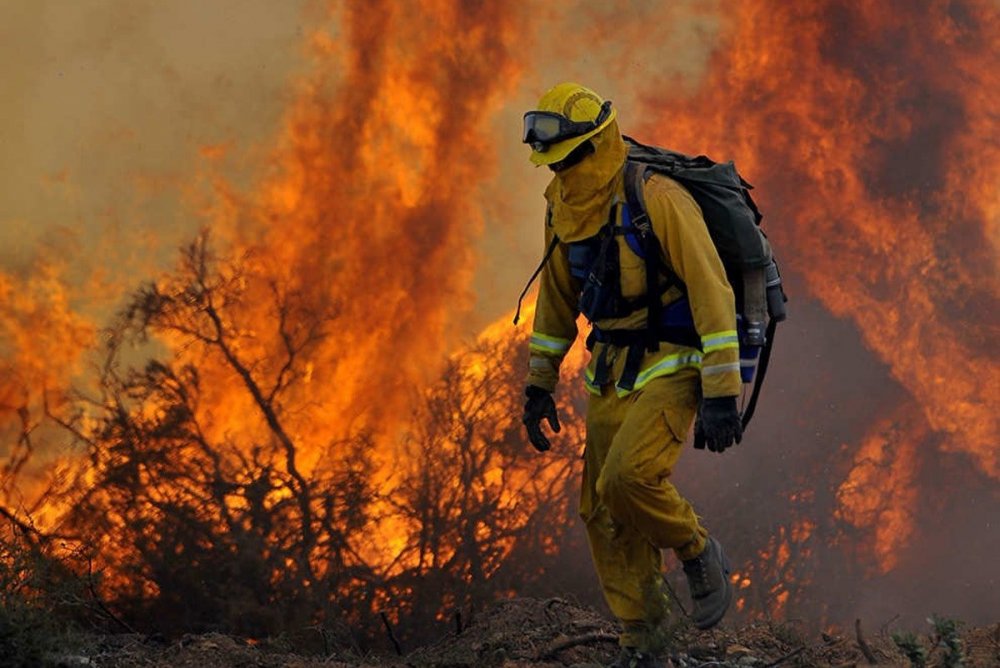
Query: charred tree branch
[[100, 603], [30, 531], [790, 655], [576, 641], [25, 528], [391, 633], [291, 350], [863, 645], [274, 423]]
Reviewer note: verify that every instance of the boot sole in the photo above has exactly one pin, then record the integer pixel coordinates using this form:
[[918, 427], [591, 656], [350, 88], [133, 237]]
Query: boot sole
[[705, 624]]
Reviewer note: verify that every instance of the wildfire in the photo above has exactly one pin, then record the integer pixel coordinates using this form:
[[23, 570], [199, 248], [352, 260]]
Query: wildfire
[[858, 126], [42, 340], [881, 490], [312, 351], [370, 222]]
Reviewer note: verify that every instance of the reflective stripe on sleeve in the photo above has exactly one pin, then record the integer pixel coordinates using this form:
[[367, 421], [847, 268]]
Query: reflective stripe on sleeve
[[549, 345], [720, 368], [720, 341]]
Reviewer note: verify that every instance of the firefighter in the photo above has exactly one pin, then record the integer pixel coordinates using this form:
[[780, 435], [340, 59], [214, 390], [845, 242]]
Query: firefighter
[[643, 399]]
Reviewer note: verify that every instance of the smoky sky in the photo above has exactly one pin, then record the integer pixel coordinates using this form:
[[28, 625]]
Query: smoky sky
[[106, 107]]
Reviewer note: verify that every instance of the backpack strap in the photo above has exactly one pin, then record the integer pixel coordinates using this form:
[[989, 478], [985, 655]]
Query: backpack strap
[[635, 179], [541, 265]]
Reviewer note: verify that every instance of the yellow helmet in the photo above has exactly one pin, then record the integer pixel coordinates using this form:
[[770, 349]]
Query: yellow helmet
[[567, 115]]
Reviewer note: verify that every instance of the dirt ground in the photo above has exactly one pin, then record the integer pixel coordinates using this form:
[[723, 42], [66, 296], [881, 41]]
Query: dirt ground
[[544, 633]]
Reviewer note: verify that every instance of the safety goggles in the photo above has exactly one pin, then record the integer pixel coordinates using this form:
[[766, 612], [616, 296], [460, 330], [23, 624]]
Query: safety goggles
[[544, 128]]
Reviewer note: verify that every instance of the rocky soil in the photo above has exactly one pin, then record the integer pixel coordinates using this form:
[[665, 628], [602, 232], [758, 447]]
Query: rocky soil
[[544, 633]]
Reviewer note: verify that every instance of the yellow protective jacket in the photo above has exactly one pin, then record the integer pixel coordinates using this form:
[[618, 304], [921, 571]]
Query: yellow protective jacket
[[579, 205]]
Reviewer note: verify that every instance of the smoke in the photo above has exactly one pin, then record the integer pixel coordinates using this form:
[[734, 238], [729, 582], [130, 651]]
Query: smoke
[[874, 150], [114, 101], [363, 158], [868, 178]]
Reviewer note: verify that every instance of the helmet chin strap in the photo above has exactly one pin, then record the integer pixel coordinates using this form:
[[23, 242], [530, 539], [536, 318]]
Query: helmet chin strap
[[574, 158]]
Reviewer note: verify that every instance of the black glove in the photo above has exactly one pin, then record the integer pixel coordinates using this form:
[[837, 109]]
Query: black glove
[[539, 405], [718, 425]]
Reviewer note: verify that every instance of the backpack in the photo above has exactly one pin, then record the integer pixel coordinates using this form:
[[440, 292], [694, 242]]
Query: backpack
[[733, 222]]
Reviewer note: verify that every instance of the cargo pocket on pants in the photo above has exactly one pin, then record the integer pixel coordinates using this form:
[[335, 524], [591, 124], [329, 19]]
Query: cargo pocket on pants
[[678, 421]]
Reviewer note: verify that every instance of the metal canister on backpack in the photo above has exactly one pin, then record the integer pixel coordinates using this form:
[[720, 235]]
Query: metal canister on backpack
[[749, 352], [775, 293], [754, 306]]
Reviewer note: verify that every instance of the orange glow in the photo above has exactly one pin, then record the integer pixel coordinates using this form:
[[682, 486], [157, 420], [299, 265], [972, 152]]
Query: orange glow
[[884, 202], [355, 251], [815, 130], [880, 490]]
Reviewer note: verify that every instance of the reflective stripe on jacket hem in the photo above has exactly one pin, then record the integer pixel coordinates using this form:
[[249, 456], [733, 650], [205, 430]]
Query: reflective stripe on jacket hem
[[668, 365]]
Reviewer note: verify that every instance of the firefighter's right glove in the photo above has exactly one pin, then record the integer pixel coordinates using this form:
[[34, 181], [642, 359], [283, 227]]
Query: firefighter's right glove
[[718, 425], [539, 405]]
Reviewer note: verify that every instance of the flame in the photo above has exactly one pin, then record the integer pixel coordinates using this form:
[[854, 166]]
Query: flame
[[42, 341], [871, 133], [41, 334], [863, 168], [870, 130], [880, 491], [319, 307], [382, 162]]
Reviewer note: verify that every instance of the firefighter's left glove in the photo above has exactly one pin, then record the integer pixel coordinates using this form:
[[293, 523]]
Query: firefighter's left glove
[[718, 426], [539, 405]]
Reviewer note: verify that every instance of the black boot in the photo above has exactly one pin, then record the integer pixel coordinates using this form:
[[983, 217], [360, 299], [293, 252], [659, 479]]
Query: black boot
[[631, 657], [708, 580]]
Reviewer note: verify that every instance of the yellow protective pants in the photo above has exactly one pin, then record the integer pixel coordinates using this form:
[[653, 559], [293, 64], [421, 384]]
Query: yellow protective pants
[[630, 508]]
